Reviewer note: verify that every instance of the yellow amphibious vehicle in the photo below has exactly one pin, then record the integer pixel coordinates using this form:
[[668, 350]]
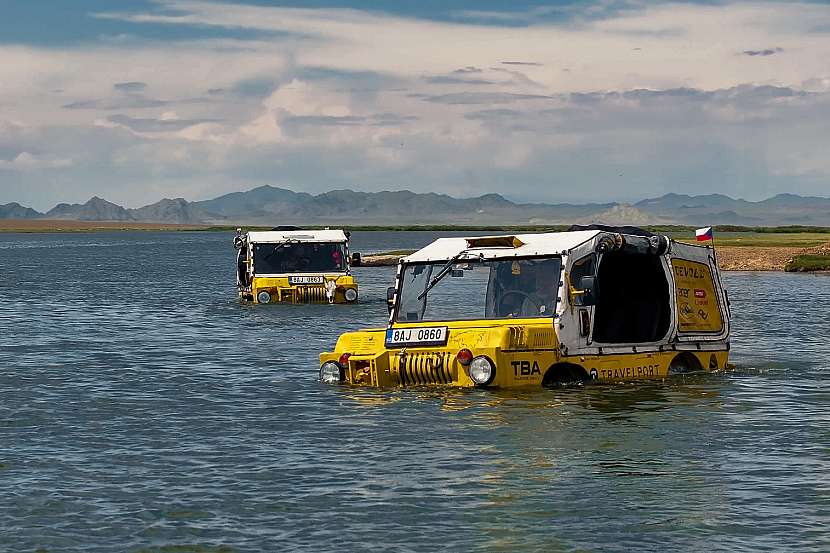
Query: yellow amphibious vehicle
[[294, 266], [599, 303]]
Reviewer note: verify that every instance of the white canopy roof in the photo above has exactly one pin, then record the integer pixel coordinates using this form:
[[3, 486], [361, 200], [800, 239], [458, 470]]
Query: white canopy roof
[[549, 243], [280, 236]]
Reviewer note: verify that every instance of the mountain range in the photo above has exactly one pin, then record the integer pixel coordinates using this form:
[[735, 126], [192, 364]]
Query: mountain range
[[268, 205]]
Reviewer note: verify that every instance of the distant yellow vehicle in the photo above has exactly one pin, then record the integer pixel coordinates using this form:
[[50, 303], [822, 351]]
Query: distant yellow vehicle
[[546, 309], [294, 266]]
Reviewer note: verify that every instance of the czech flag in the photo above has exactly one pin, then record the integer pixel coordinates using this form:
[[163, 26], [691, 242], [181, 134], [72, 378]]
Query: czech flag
[[704, 234]]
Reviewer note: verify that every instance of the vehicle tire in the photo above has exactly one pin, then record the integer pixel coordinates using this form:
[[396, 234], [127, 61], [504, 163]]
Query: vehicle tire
[[685, 363], [565, 375]]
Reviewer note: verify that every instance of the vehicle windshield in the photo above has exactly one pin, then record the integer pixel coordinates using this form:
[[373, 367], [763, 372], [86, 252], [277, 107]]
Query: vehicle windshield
[[479, 289], [299, 257]]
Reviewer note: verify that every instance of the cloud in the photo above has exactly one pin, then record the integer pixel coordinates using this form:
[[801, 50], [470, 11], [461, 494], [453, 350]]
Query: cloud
[[467, 70], [512, 17], [25, 161], [469, 98], [552, 108], [133, 86], [151, 125], [259, 86], [449, 79], [118, 103], [763, 53], [375, 120]]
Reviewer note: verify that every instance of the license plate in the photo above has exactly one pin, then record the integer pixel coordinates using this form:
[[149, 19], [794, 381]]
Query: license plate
[[305, 280], [421, 336]]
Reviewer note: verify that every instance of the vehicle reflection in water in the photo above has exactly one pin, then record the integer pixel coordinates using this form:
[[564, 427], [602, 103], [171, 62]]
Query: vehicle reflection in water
[[615, 401]]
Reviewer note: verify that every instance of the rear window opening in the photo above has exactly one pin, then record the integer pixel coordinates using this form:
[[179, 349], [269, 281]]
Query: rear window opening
[[633, 301]]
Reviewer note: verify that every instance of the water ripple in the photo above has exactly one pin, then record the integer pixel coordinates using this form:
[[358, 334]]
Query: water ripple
[[143, 409]]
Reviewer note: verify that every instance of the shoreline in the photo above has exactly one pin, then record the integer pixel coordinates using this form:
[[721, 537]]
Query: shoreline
[[762, 250]]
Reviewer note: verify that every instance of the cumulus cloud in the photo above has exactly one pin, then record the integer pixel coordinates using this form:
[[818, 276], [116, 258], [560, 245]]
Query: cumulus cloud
[[663, 95]]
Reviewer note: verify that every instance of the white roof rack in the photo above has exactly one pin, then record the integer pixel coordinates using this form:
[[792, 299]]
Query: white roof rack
[[503, 246], [281, 236]]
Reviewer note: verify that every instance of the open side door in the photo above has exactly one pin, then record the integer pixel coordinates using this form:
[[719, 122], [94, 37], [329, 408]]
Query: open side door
[[702, 313]]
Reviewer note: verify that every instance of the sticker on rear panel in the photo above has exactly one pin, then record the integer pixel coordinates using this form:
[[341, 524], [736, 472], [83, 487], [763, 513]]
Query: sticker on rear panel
[[697, 301]]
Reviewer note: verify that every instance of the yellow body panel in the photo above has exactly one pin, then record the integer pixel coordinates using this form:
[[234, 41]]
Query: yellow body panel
[[697, 301], [523, 351], [282, 292]]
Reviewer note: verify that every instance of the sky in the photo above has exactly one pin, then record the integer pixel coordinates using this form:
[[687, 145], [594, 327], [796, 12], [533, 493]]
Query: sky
[[566, 101]]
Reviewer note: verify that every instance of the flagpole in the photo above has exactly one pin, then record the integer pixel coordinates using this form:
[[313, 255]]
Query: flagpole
[[715, 251]]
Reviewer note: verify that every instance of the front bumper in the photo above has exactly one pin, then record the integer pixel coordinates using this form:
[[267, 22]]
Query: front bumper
[[269, 290], [402, 368]]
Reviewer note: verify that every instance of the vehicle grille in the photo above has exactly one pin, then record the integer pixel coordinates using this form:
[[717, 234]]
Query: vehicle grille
[[310, 294], [418, 368]]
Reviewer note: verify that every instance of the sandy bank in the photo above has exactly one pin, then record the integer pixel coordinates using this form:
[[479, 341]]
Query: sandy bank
[[755, 258]]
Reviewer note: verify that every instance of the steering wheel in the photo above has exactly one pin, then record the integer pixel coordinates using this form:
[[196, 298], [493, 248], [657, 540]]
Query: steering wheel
[[534, 300]]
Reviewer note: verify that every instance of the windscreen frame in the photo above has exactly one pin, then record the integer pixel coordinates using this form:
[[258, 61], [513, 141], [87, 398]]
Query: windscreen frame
[[556, 297]]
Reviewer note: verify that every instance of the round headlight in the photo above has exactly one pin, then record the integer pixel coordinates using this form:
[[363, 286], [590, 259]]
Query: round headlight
[[263, 297], [482, 370], [350, 294], [331, 373]]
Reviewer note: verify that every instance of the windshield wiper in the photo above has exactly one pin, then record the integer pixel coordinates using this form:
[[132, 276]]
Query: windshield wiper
[[445, 270], [279, 247]]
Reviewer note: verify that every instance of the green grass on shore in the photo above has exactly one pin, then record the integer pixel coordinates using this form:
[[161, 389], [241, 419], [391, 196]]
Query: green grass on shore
[[764, 239], [808, 263]]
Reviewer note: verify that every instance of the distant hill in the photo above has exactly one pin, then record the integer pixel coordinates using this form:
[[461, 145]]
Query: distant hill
[[16, 211], [623, 214], [268, 205], [783, 209], [178, 211], [96, 209]]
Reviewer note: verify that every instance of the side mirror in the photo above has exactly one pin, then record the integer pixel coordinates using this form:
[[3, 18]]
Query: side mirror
[[390, 298], [356, 260], [587, 290]]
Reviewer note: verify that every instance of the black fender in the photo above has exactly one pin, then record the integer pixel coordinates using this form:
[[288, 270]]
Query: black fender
[[565, 374], [685, 362]]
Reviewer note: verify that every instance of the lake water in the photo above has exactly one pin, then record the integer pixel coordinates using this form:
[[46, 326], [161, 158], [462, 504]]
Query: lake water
[[142, 408]]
